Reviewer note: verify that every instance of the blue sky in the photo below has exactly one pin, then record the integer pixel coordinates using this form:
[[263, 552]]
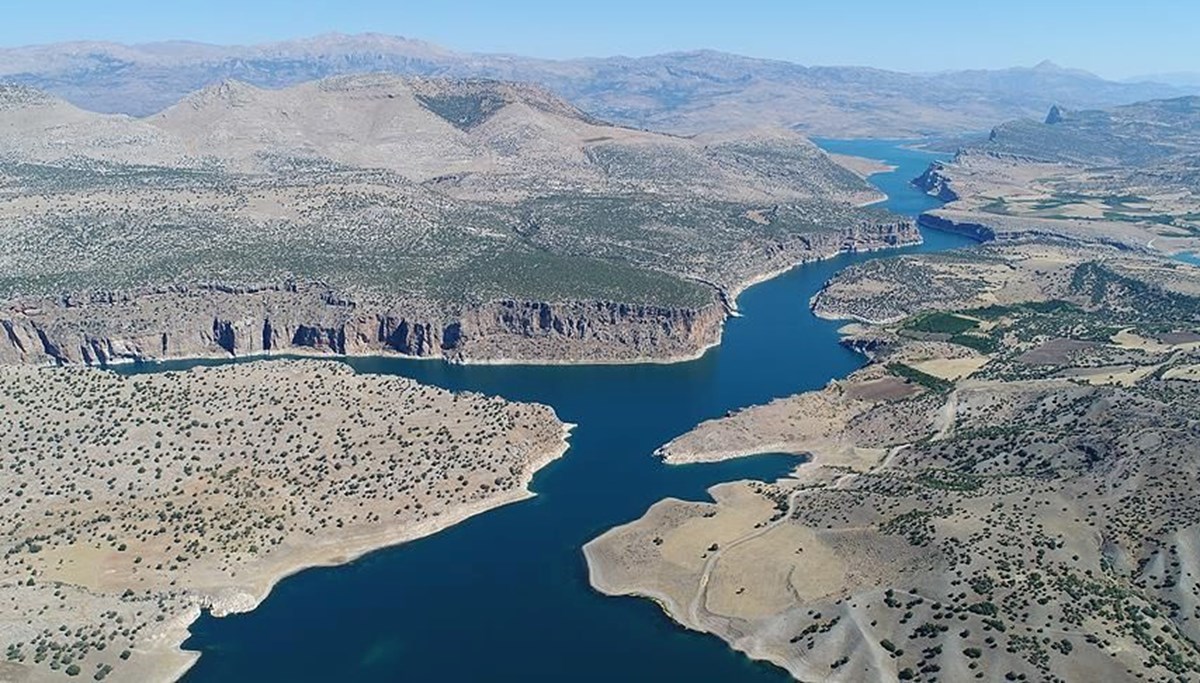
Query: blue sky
[[1115, 39]]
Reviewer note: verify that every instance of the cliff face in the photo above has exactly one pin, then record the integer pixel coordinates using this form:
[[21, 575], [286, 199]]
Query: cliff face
[[875, 236], [598, 331], [216, 321], [934, 182], [220, 321], [976, 231]]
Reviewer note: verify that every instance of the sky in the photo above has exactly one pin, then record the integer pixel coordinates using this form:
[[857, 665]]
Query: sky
[[1114, 39]]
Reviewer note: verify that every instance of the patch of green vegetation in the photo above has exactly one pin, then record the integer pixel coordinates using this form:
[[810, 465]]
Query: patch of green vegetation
[[1059, 200], [1161, 219], [915, 525], [1117, 201], [940, 323], [464, 111], [949, 480], [924, 379], [981, 343], [542, 275], [992, 312], [997, 206], [996, 311], [1137, 301], [1046, 307]]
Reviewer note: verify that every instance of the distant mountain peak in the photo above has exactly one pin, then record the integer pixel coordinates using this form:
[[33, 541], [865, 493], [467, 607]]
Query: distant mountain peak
[[680, 92], [228, 92]]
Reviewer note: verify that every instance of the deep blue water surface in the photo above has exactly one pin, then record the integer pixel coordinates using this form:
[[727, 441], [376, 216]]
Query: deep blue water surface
[[504, 596]]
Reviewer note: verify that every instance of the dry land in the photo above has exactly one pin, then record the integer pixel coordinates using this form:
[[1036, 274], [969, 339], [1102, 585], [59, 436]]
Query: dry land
[[131, 503], [861, 165], [1125, 176], [1005, 492]]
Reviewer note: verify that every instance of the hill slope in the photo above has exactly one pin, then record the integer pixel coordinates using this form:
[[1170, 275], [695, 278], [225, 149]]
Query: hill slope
[[359, 214]]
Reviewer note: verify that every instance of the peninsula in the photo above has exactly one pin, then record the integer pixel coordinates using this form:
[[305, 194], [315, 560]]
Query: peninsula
[[132, 503], [1006, 489]]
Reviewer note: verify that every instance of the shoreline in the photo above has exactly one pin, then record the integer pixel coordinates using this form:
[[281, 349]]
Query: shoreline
[[355, 549], [863, 167], [307, 353], [349, 551], [837, 317], [713, 456], [735, 292]]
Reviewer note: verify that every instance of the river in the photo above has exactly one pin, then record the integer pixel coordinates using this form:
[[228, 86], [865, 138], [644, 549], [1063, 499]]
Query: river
[[504, 596]]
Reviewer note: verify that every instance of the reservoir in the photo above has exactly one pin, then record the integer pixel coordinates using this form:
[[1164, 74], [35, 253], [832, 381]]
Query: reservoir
[[504, 596]]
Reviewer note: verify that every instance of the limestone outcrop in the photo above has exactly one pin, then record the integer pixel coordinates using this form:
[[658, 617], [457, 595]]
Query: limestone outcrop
[[216, 321]]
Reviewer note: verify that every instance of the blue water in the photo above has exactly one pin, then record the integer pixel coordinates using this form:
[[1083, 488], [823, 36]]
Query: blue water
[[504, 596]]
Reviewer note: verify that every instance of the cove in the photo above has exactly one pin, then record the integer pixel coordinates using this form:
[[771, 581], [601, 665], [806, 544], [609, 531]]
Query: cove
[[504, 596]]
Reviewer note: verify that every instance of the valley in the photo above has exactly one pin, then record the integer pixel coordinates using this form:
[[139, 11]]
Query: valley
[[272, 345]]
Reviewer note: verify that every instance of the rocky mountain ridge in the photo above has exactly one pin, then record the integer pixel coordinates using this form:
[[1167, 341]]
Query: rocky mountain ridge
[[682, 91]]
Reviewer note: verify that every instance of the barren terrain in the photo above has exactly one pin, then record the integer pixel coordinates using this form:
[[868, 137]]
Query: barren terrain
[[1127, 176]]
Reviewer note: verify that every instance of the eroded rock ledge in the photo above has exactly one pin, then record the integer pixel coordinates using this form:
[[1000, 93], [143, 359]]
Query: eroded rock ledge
[[218, 321], [222, 320]]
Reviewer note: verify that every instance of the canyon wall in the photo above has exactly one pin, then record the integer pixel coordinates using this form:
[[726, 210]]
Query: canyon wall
[[976, 231], [220, 321], [216, 321]]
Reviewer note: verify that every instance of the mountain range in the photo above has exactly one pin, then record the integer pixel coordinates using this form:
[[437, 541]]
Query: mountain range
[[681, 92]]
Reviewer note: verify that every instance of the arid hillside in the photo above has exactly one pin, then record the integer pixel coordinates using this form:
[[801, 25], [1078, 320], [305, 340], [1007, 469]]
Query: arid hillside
[[1005, 492], [471, 219], [1128, 176]]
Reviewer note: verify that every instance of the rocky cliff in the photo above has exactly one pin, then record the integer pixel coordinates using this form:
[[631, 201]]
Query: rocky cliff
[[976, 231], [987, 228], [934, 182], [216, 321]]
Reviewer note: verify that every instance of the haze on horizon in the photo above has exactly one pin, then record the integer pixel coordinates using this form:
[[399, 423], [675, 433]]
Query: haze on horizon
[[1104, 37]]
